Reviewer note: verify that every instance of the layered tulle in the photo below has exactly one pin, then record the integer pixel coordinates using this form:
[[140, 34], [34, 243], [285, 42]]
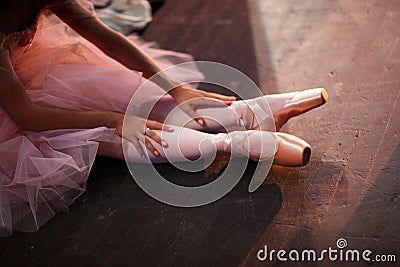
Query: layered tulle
[[43, 173]]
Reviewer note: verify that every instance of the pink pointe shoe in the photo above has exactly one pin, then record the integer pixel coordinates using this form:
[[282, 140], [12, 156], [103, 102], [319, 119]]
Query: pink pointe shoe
[[292, 151], [283, 106], [286, 150]]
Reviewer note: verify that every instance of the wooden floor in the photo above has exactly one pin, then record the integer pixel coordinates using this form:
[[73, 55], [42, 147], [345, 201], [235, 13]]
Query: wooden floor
[[350, 189]]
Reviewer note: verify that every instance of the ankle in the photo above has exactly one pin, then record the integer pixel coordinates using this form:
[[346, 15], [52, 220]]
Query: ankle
[[244, 112], [222, 142]]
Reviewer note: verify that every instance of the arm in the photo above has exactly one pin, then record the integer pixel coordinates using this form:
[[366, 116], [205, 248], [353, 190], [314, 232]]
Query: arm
[[111, 42], [31, 116], [118, 47]]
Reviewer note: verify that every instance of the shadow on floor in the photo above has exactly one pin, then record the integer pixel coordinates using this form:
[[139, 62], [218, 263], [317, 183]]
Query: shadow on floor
[[116, 223], [218, 31]]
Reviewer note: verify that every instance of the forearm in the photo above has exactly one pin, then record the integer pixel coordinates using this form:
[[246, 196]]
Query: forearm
[[127, 53], [31, 116], [41, 118], [118, 47], [111, 42]]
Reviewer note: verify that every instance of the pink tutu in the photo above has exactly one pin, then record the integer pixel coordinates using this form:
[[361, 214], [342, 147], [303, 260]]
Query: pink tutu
[[43, 173]]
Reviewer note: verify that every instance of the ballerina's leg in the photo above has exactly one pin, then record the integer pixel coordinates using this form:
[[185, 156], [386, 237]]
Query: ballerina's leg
[[218, 119], [269, 112], [183, 144], [186, 144]]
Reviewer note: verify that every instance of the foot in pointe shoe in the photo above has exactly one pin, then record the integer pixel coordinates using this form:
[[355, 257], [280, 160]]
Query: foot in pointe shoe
[[256, 145], [292, 151], [289, 105], [286, 150], [283, 107]]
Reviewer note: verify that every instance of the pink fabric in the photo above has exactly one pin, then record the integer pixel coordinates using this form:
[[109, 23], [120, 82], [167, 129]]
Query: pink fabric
[[43, 173]]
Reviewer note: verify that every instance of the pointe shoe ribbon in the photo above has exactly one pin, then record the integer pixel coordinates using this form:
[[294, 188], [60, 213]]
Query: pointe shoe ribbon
[[257, 145], [261, 112], [271, 112], [255, 111]]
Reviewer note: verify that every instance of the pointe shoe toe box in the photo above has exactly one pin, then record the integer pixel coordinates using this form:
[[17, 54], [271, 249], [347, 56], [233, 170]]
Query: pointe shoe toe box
[[292, 151]]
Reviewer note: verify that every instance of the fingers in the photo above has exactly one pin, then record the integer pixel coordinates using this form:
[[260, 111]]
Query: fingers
[[191, 105], [138, 147], [153, 135], [224, 98], [207, 102], [155, 125], [136, 134], [188, 109], [146, 140], [150, 146]]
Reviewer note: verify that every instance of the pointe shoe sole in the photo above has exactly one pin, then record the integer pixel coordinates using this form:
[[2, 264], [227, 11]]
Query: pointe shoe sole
[[306, 155], [324, 95]]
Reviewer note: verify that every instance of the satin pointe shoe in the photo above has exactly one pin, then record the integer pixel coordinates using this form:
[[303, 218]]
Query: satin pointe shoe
[[292, 151], [283, 107], [286, 150]]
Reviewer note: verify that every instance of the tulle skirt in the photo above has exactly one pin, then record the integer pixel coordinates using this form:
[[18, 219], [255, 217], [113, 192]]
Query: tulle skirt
[[43, 173]]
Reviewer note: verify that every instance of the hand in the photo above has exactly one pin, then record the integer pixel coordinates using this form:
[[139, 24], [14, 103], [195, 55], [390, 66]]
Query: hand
[[135, 131], [189, 99]]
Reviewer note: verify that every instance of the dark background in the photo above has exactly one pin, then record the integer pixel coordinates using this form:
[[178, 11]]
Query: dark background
[[350, 189]]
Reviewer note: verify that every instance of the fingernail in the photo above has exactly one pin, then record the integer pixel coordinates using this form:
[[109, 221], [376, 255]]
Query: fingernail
[[156, 153], [171, 129], [164, 144], [200, 121]]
